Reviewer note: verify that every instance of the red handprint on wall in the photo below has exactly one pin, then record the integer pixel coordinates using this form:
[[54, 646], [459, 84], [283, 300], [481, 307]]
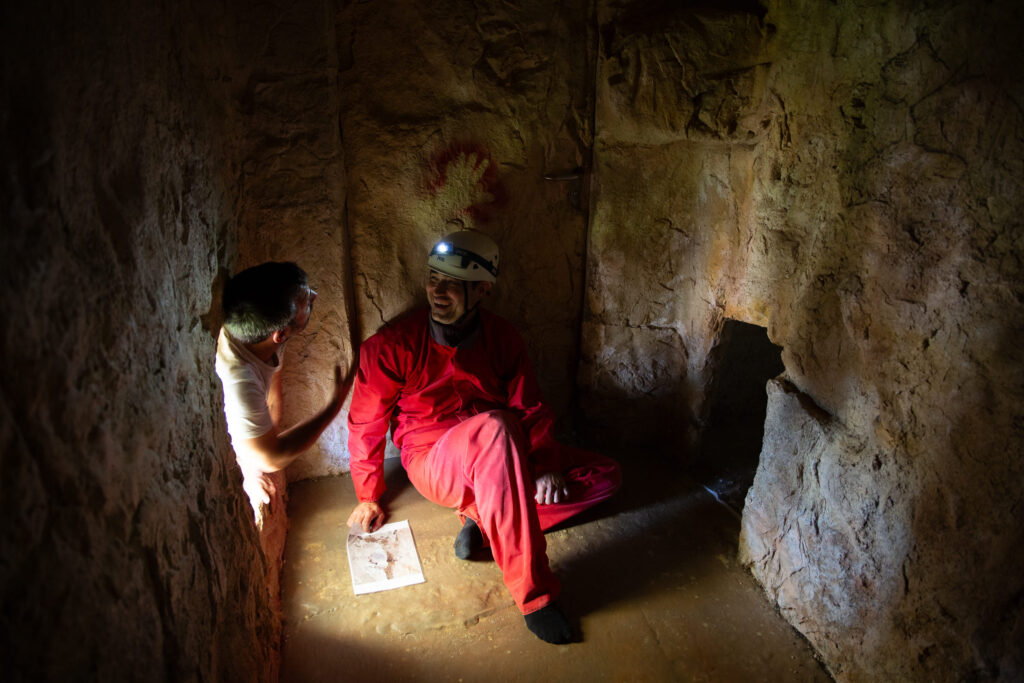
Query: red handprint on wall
[[463, 182]]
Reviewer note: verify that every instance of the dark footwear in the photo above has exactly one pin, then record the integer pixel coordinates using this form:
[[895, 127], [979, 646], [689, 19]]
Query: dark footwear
[[550, 625], [469, 540]]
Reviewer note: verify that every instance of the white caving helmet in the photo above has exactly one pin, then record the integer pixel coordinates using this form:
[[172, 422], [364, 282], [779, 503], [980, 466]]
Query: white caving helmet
[[466, 255]]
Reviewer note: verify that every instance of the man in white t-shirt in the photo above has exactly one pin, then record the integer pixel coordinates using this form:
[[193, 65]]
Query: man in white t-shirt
[[263, 307]]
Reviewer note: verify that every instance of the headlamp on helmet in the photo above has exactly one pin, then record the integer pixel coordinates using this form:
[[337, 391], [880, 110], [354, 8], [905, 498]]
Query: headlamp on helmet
[[466, 255]]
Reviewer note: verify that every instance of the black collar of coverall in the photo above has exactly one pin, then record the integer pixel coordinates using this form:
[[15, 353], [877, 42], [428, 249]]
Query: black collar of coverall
[[460, 334]]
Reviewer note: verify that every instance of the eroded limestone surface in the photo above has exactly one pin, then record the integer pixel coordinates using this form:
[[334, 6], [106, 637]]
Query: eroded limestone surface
[[848, 177], [127, 549]]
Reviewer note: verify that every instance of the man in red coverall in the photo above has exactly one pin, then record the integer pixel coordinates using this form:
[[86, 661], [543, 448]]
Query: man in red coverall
[[455, 382]]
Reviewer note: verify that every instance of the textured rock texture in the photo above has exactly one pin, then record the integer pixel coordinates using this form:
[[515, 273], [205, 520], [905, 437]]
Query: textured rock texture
[[893, 475], [292, 199], [127, 550], [897, 171], [681, 107], [834, 553], [848, 176]]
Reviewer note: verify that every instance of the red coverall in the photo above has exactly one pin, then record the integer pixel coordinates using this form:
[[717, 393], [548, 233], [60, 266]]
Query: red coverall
[[474, 434]]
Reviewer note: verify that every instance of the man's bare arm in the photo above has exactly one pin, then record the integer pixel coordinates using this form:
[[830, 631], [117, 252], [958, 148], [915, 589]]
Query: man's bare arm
[[275, 450], [275, 401]]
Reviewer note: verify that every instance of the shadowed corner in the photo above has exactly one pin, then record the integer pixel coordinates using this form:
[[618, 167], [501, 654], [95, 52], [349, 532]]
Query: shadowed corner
[[656, 525]]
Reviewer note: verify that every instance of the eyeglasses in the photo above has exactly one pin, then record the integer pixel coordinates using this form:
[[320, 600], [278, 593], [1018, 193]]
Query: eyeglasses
[[309, 312], [312, 298]]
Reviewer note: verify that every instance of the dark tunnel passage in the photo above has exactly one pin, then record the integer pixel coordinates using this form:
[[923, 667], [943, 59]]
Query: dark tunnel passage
[[730, 444]]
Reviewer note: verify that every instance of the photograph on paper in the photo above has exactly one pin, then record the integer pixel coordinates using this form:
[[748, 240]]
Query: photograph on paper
[[383, 559]]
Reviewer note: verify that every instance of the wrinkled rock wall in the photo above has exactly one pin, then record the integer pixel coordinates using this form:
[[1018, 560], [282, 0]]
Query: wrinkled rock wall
[[452, 114], [127, 550], [848, 176], [293, 197], [682, 107], [887, 527]]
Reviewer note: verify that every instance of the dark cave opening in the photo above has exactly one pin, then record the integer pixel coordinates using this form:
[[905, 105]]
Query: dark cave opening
[[730, 446]]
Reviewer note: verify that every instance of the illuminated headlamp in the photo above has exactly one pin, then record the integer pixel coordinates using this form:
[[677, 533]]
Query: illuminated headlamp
[[444, 249]]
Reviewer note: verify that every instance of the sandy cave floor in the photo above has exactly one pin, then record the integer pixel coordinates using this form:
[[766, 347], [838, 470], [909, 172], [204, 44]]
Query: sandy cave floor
[[649, 577]]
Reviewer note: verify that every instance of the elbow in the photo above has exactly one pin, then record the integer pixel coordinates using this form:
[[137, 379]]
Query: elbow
[[270, 464], [262, 461], [280, 457], [267, 454]]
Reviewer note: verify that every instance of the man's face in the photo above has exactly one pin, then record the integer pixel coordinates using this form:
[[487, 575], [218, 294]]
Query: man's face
[[447, 296]]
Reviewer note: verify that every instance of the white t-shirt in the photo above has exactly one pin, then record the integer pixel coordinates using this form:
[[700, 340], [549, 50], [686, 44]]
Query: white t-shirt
[[246, 382]]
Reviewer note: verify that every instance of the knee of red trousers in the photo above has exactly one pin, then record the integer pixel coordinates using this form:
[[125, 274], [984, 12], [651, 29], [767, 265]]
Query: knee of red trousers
[[491, 448], [497, 439], [496, 424]]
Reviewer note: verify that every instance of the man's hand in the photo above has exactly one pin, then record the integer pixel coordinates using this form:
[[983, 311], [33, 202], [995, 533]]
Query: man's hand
[[551, 488], [259, 486], [369, 515]]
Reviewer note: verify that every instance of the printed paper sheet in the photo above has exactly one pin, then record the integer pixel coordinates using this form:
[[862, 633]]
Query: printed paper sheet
[[384, 559]]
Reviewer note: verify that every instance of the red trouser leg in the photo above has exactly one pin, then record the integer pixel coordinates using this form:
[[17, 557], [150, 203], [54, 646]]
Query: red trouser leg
[[479, 467], [591, 479]]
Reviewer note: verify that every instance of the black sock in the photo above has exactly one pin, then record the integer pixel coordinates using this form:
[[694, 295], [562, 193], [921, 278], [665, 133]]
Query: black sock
[[550, 625], [469, 540]]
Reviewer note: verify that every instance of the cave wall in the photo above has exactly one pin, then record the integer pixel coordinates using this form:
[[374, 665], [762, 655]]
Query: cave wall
[[291, 206], [846, 175], [884, 518], [371, 130], [128, 550], [841, 174], [681, 110]]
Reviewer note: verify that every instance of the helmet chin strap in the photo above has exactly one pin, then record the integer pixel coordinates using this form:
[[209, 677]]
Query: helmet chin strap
[[469, 309]]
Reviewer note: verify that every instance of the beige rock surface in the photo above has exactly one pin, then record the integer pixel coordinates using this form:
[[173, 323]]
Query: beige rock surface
[[846, 176], [897, 321], [681, 107], [292, 203]]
